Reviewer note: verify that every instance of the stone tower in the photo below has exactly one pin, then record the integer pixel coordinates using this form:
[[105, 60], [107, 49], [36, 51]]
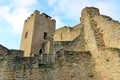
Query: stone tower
[[37, 35]]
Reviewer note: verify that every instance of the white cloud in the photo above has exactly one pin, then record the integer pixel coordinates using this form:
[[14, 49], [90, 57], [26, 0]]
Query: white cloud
[[105, 7], [51, 2], [72, 8], [18, 10], [24, 3], [17, 20], [59, 23], [15, 13]]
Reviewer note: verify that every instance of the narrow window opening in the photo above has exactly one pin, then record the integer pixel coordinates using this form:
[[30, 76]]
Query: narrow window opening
[[26, 34], [91, 76], [45, 35], [61, 36], [40, 51], [107, 60]]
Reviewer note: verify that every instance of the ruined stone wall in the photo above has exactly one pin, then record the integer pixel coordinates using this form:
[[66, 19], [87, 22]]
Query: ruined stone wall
[[88, 51], [4, 66], [31, 69], [13, 66], [68, 65], [103, 34], [77, 44], [63, 34], [67, 33], [3, 50], [9, 59], [88, 30], [110, 30], [72, 65], [106, 65]]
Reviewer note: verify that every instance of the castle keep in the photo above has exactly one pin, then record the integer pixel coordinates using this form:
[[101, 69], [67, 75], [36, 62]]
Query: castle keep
[[90, 50], [37, 35]]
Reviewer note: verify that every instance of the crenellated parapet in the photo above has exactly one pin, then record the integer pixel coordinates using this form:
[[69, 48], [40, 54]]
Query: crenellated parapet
[[38, 14]]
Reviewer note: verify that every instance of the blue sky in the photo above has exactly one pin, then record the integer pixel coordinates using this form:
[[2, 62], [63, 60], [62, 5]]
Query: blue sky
[[66, 12]]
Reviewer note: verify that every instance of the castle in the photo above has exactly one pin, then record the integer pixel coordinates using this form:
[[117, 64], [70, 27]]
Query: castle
[[89, 50]]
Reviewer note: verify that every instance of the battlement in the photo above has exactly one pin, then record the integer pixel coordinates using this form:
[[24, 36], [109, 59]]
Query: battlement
[[47, 17], [37, 13], [28, 19]]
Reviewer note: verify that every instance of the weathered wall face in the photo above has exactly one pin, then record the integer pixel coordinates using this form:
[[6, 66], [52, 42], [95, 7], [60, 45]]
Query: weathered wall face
[[46, 74], [30, 70], [8, 62], [90, 33], [6, 72], [110, 30], [4, 64], [71, 65], [26, 40], [78, 44], [43, 24], [107, 65], [99, 35], [67, 33], [13, 66], [63, 34], [36, 74], [102, 35], [3, 50]]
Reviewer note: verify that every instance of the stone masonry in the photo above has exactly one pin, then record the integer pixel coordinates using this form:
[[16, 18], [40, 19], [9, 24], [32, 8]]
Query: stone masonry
[[89, 50], [37, 34]]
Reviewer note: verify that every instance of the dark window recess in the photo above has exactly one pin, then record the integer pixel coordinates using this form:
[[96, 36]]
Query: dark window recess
[[45, 35], [40, 51], [61, 36], [26, 34], [91, 76], [107, 60]]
